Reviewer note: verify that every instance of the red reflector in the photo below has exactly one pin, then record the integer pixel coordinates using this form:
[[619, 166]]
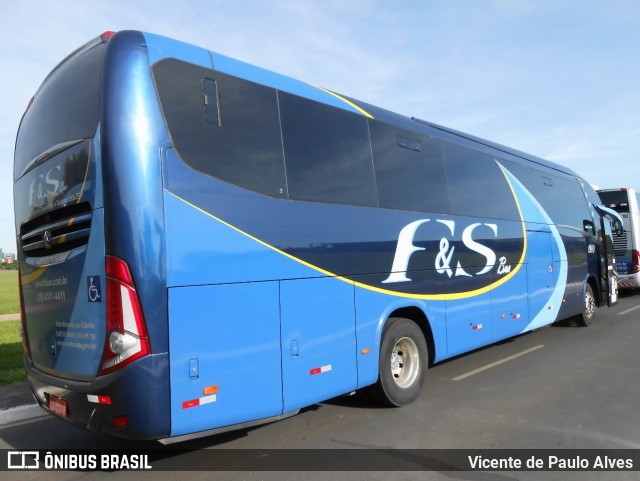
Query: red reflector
[[320, 370], [92, 398], [191, 404], [120, 422], [107, 35]]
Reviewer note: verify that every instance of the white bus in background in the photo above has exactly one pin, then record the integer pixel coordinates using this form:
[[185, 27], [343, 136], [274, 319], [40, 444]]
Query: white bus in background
[[626, 202]]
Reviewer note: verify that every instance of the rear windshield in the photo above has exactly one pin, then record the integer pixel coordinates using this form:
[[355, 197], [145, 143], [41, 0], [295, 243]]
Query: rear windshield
[[617, 200], [65, 108]]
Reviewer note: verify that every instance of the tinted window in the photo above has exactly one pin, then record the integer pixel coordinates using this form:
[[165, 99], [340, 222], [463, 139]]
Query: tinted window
[[409, 170], [327, 153], [65, 108], [615, 199], [560, 195], [223, 126], [477, 185], [567, 204], [591, 196]]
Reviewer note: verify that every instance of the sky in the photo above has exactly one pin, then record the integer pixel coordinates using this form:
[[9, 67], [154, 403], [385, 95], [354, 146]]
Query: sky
[[559, 79]]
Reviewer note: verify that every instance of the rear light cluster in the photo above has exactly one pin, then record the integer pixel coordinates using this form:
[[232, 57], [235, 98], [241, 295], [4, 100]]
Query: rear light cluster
[[635, 262], [127, 338]]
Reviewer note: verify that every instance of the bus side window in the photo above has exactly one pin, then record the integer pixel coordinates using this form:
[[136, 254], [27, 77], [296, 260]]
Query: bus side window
[[477, 186], [409, 170], [327, 152], [223, 126]]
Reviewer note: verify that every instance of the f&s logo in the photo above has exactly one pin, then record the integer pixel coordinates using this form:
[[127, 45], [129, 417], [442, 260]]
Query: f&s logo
[[445, 262]]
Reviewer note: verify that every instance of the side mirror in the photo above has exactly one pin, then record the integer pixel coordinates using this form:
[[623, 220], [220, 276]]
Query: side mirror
[[616, 225], [613, 216]]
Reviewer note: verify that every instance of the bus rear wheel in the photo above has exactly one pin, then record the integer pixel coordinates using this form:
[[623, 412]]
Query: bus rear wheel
[[403, 363]]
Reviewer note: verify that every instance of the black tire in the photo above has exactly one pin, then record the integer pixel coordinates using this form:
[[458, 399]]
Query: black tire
[[590, 307], [403, 363]]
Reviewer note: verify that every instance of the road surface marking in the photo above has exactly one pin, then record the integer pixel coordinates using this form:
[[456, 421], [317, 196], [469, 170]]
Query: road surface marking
[[497, 363], [628, 310]]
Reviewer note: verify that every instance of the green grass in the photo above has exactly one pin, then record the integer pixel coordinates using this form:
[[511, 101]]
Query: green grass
[[9, 296], [11, 369]]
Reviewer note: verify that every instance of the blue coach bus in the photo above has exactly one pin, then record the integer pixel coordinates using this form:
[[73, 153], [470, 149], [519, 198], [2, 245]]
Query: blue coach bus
[[206, 245]]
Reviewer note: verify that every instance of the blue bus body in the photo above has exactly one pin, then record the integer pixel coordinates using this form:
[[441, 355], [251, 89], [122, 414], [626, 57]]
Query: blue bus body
[[186, 269]]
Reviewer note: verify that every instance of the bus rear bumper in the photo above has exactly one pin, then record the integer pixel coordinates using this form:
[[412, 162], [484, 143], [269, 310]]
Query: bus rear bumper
[[138, 394], [628, 281]]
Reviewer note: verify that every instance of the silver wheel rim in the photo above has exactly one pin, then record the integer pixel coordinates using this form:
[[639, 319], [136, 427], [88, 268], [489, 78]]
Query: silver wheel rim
[[405, 362], [590, 305]]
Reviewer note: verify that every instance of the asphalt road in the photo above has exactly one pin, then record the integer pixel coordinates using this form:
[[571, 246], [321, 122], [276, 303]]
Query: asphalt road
[[558, 388]]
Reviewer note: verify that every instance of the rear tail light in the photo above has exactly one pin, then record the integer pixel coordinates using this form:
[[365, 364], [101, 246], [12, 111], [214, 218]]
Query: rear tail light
[[127, 338], [120, 422], [23, 320], [635, 262]]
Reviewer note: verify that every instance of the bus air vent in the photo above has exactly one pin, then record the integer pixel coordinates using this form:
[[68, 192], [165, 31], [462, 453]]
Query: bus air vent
[[56, 231], [620, 244]]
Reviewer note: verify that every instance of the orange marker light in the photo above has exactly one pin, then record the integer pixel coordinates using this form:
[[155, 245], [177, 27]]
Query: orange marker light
[[366, 351], [209, 390]]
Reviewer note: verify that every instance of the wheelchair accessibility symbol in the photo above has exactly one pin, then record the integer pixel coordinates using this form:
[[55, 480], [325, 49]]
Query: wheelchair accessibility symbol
[[93, 289]]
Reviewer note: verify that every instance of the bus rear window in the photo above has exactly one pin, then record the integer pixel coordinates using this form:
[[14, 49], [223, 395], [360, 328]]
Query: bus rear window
[[65, 108], [617, 200]]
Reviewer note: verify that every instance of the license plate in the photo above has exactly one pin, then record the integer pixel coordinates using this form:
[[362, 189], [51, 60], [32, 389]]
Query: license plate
[[58, 406]]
